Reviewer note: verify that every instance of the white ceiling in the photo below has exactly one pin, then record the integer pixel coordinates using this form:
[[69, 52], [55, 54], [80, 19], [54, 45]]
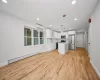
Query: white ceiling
[[50, 12]]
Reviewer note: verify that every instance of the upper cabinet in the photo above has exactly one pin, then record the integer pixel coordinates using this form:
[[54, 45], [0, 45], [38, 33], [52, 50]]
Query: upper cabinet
[[63, 34], [71, 32], [66, 34], [49, 33], [59, 35], [55, 34]]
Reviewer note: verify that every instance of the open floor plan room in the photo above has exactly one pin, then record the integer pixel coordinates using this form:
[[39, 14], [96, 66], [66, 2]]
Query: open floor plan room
[[49, 39]]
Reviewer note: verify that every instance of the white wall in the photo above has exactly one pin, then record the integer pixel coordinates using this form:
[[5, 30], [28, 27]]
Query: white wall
[[94, 38], [12, 39], [0, 6]]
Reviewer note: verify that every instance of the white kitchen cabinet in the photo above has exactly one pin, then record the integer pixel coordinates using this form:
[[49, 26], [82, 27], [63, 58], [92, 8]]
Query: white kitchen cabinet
[[55, 34], [49, 33], [66, 34], [59, 36], [62, 47], [71, 32], [63, 34]]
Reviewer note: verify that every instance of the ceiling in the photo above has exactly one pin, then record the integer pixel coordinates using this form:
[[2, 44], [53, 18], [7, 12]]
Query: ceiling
[[50, 12]]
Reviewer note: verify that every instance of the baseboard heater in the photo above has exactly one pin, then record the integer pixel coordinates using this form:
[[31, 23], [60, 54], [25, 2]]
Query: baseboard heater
[[21, 57]]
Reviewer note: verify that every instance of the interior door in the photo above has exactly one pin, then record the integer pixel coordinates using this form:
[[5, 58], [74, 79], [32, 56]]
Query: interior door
[[80, 40], [71, 42]]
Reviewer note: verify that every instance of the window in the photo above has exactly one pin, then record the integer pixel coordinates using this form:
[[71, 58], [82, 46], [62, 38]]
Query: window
[[33, 37], [38, 37], [41, 37], [27, 37]]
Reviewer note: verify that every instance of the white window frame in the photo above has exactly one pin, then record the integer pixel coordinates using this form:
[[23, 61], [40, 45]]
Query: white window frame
[[35, 37], [41, 37], [27, 36], [32, 37]]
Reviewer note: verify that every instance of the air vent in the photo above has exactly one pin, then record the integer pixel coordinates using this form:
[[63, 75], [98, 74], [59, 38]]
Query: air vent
[[39, 28], [39, 24]]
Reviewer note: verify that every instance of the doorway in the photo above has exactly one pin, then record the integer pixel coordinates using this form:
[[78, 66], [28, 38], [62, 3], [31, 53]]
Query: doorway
[[80, 40]]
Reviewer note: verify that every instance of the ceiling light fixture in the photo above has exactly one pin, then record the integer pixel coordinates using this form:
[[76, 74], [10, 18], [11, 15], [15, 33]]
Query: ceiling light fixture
[[75, 19], [74, 1], [38, 19], [5, 1], [50, 25]]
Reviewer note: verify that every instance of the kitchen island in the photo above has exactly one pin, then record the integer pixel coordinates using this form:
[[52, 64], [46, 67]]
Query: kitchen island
[[62, 47]]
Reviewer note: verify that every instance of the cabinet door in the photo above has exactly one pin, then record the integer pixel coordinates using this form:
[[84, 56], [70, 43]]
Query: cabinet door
[[55, 35], [59, 35], [67, 35], [80, 40], [49, 33]]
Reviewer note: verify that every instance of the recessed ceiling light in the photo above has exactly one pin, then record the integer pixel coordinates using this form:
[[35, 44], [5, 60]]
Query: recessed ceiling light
[[5, 1], [74, 1], [75, 19], [38, 19], [50, 25]]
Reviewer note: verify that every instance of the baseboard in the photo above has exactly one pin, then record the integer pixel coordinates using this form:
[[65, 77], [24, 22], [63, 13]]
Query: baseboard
[[21, 57], [3, 64], [98, 73]]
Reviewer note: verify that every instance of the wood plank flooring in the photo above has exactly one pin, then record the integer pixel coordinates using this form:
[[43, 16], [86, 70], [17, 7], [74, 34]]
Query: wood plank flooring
[[75, 65]]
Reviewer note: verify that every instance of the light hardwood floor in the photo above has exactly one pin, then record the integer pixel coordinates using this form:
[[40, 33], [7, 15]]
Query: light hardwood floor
[[75, 65]]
